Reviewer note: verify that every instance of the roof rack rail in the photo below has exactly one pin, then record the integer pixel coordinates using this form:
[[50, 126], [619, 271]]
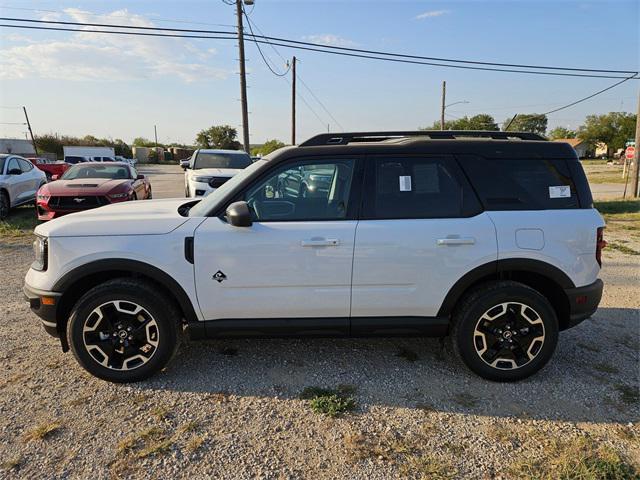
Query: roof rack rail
[[354, 137]]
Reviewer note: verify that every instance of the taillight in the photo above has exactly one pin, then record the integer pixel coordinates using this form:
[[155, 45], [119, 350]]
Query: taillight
[[600, 244]]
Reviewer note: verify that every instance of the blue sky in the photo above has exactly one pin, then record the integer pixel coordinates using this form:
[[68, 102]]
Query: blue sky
[[121, 86]]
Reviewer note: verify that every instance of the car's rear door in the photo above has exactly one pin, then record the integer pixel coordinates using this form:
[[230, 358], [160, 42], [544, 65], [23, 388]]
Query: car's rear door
[[421, 230], [295, 260]]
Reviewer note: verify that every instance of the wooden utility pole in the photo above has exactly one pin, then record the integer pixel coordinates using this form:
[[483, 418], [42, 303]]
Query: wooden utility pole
[[293, 101], [444, 95], [33, 140], [636, 157], [243, 79]]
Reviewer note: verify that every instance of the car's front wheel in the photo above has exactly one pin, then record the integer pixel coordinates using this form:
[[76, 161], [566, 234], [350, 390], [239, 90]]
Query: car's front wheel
[[123, 330], [5, 205], [505, 331]]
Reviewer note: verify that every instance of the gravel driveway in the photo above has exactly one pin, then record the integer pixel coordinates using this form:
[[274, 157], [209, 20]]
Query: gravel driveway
[[230, 409]]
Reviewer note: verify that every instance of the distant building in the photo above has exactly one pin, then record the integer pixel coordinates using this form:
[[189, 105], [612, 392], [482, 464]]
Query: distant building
[[578, 145], [17, 146], [180, 153]]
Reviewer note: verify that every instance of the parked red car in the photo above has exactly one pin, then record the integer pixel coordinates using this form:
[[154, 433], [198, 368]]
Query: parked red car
[[91, 185], [49, 167]]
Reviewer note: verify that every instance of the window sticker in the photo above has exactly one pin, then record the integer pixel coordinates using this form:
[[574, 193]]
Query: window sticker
[[562, 191], [405, 183]]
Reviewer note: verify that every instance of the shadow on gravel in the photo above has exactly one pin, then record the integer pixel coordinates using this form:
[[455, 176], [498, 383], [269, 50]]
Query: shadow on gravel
[[592, 377]]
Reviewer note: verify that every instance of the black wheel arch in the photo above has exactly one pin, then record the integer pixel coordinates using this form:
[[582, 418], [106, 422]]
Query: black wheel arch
[[547, 279], [74, 284]]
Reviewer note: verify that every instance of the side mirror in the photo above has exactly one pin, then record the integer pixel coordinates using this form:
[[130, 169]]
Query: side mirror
[[15, 171], [140, 177], [184, 164], [54, 177], [239, 215]]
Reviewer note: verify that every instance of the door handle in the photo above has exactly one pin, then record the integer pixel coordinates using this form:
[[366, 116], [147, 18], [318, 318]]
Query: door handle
[[320, 242], [456, 241]]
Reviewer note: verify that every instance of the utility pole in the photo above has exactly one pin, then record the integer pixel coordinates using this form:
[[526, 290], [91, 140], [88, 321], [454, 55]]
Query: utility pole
[[444, 95], [155, 132], [293, 101], [33, 140], [243, 79], [636, 157]]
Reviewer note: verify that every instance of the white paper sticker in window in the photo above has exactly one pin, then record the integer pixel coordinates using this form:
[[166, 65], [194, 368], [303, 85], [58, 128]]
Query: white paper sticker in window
[[562, 191], [405, 183]]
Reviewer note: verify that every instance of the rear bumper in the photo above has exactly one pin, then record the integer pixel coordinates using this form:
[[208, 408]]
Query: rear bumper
[[46, 312], [583, 302]]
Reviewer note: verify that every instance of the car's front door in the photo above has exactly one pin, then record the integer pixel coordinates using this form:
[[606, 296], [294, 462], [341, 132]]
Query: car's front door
[[18, 182], [31, 177], [293, 262], [421, 230]]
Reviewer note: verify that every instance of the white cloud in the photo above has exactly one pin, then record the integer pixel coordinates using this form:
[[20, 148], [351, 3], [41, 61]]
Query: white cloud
[[93, 56], [432, 14], [330, 39]]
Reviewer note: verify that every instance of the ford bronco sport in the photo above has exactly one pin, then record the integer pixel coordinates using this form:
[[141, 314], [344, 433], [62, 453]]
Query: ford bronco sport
[[488, 237]]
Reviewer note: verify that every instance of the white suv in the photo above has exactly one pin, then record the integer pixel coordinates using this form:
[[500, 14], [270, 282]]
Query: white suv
[[207, 170], [489, 237]]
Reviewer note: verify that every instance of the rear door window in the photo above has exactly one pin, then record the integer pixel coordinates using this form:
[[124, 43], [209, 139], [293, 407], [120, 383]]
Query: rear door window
[[416, 187], [521, 184]]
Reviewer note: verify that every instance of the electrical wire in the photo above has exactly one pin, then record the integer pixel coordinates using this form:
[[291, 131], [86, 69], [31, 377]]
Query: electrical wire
[[260, 49], [375, 54], [590, 96]]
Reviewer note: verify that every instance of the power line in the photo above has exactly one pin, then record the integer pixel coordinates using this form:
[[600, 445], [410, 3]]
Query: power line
[[93, 14], [373, 54], [590, 96], [299, 78], [260, 49]]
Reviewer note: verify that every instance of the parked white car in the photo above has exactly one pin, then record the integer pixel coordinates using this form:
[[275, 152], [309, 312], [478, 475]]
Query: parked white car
[[19, 182], [491, 240], [209, 169]]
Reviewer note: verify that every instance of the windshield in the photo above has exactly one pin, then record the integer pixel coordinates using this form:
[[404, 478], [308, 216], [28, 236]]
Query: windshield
[[118, 172], [208, 203], [221, 160]]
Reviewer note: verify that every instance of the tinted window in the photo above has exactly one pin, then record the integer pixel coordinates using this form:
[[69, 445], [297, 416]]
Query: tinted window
[[25, 166], [303, 191], [2, 162], [505, 184], [416, 187], [221, 160], [13, 165], [73, 159], [117, 172]]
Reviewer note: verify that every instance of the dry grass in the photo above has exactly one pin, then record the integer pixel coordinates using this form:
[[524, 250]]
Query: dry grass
[[160, 412], [428, 467], [42, 431], [581, 458], [501, 433], [194, 443], [11, 463]]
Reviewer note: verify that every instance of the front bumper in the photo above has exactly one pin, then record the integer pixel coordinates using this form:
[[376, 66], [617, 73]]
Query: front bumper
[[45, 305], [583, 302]]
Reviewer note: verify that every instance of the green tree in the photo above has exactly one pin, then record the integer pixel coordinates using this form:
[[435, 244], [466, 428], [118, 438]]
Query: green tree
[[561, 132], [218, 136], [142, 142], [268, 147], [482, 121], [529, 122], [612, 129]]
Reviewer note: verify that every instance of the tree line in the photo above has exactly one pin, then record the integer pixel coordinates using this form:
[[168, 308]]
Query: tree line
[[613, 129]]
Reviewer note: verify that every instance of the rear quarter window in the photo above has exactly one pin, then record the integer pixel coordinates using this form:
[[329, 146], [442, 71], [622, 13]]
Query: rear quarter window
[[521, 184]]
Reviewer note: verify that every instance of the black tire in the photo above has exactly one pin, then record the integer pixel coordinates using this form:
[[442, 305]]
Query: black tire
[[150, 194], [527, 326], [5, 205], [158, 319]]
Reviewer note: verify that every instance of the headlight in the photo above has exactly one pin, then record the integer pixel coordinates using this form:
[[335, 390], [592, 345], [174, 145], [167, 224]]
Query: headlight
[[202, 179], [118, 195], [40, 251]]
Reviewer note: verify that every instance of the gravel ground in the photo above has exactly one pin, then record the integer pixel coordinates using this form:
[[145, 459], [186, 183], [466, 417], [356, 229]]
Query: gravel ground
[[231, 409]]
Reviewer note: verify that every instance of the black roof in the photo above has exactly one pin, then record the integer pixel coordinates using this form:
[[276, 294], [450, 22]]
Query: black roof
[[491, 144]]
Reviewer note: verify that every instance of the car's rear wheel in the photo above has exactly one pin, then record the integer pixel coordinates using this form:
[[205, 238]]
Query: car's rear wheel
[[123, 331], [149, 194], [505, 331], [5, 205]]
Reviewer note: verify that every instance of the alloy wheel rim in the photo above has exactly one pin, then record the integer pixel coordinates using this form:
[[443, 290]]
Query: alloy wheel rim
[[120, 335], [509, 335]]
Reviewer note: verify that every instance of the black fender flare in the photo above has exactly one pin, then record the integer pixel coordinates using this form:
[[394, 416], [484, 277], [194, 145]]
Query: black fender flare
[[494, 270], [132, 266]]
